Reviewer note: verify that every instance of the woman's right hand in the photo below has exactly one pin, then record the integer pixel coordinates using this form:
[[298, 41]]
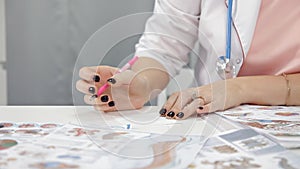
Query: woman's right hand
[[128, 90]]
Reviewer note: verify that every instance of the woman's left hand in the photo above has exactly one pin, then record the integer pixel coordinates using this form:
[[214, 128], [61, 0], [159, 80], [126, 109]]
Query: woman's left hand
[[216, 96]]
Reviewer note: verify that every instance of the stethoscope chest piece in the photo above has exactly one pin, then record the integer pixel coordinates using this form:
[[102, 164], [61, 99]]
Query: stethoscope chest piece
[[225, 68]]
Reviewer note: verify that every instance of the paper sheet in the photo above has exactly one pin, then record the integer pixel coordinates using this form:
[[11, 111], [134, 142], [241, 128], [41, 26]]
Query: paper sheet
[[280, 121], [94, 145], [243, 148], [71, 146]]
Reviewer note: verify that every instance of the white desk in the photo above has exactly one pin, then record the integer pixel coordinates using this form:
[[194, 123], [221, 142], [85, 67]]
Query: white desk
[[59, 114]]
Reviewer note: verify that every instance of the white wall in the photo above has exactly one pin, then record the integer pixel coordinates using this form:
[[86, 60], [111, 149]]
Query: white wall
[[3, 80]]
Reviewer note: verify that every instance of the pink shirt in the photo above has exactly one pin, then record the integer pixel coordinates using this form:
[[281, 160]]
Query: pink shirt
[[275, 48]]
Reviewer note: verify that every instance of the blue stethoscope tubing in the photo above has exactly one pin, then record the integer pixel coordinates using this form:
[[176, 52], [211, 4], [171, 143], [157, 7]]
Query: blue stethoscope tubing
[[228, 33], [225, 68]]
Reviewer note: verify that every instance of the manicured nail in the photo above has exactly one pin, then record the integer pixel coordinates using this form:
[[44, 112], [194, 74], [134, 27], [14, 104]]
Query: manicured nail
[[201, 108], [1, 125], [180, 115], [111, 103], [93, 97], [171, 114], [96, 78], [104, 98], [112, 80], [163, 112], [92, 90]]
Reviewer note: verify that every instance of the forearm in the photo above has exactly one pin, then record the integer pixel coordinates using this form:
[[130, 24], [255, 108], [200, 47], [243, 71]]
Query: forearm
[[270, 90], [153, 71]]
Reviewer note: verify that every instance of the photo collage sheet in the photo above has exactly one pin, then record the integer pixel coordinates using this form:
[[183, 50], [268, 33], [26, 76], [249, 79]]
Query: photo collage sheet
[[281, 122], [244, 149], [57, 146]]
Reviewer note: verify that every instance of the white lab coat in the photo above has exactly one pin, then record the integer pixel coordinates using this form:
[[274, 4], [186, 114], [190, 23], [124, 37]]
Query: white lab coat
[[178, 26]]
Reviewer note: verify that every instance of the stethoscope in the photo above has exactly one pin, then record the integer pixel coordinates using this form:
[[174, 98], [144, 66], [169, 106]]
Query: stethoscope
[[224, 66]]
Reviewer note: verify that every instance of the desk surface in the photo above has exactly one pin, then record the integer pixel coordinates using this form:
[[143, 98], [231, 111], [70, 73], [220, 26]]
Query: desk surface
[[59, 114]]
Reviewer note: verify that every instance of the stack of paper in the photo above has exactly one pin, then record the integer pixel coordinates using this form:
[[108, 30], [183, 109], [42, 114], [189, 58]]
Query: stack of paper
[[279, 121]]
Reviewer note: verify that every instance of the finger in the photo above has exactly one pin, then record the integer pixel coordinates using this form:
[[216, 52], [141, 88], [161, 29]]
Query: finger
[[120, 79], [130, 78], [169, 104], [110, 104], [127, 77], [90, 99], [183, 99], [104, 98], [85, 87], [97, 73], [205, 109], [105, 108], [105, 71], [95, 100], [189, 109], [89, 74]]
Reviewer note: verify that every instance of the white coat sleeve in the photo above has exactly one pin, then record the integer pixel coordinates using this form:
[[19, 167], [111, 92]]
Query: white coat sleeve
[[170, 33]]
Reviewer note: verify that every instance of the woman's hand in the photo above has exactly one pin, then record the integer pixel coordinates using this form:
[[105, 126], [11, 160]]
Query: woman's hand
[[222, 95], [217, 96], [128, 90]]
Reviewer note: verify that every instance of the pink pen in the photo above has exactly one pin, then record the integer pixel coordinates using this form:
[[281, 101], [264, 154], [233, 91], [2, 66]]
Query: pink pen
[[125, 67]]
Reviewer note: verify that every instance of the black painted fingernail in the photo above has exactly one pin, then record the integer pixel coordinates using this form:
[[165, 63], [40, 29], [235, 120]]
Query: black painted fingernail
[[94, 96], [104, 98], [96, 78], [111, 104], [163, 112], [180, 115], [92, 90], [201, 108], [112, 80], [171, 114], [1, 125]]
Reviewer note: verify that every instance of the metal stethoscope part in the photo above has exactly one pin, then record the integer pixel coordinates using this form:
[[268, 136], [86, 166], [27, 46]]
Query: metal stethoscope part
[[224, 66]]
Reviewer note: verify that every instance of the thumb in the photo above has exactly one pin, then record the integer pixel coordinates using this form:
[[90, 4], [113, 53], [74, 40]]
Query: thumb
[[127, 77]]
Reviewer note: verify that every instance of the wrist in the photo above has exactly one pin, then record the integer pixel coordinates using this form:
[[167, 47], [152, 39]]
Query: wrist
[[146, 83], [239, 90], [262, 90]]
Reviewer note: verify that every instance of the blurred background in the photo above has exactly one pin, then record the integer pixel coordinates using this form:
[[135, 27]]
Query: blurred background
[[40, 41]]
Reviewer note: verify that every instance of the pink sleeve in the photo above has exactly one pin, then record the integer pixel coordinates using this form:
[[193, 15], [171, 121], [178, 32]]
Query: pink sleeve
[[170, 33]]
